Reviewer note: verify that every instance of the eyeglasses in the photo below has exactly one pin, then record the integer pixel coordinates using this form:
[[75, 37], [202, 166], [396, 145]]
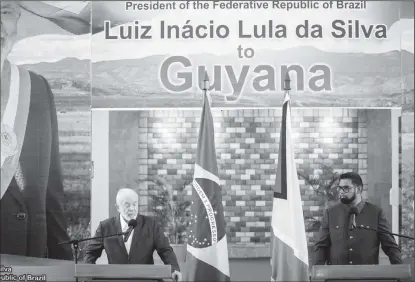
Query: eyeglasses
[[345, 189]]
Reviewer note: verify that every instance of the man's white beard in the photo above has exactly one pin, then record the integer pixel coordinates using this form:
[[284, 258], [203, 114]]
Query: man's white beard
[[129, 217]]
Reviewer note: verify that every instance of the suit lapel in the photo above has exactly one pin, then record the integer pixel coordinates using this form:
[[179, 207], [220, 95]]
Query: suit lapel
[[137, 232], [15, 191], [16, 119], [120, 239]]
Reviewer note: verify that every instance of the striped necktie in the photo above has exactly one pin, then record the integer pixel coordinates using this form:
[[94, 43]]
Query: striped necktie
[[128, 243], [18, 176]]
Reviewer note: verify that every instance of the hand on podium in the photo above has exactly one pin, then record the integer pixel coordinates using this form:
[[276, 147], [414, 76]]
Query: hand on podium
[[177, 276]]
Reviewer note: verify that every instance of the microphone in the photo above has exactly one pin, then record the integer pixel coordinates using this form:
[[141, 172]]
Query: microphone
[[352, 219], [131, 225], [385, 232], [352, 225], [75, 242]]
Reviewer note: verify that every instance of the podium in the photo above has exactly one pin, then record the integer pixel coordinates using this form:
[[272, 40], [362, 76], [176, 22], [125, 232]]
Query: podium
[[40, 269], [383, 273], [123, 272], [36, 269]]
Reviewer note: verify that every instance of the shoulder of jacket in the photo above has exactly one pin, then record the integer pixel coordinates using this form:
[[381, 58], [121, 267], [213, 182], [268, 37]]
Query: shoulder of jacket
[[151, 221], [108, 221], [373, 206], [335, 207], [148, 219], [39, 84], [35, 77]]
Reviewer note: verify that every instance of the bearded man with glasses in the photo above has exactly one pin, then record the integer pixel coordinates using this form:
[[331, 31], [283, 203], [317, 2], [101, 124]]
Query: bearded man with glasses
[[340, 243]]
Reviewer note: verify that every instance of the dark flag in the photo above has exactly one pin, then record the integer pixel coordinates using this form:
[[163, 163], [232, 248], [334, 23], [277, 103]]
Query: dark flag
[[207, 250], [289, 253]]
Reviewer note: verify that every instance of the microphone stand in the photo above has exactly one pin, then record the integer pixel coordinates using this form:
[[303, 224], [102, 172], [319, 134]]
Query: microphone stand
[[75, 243], [384, 232]]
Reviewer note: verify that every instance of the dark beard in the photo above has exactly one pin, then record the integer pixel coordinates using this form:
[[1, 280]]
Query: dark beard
[[348, 201]]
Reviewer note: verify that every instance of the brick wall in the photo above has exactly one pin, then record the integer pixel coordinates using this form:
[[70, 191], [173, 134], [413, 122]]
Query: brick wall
[[247, 154]]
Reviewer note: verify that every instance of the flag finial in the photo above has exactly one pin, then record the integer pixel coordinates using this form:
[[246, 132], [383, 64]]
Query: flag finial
[[287, 82], [206, 82], [206, 88]]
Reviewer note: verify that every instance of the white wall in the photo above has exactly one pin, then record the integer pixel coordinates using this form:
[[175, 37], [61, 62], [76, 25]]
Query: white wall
[[100, 180], [396, 192]]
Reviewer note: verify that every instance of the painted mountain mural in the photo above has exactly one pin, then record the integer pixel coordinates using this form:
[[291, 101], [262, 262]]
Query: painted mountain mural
[[381, 80]]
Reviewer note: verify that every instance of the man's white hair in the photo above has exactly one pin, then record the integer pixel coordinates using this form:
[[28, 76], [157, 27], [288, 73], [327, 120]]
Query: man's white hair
[[123, 192]]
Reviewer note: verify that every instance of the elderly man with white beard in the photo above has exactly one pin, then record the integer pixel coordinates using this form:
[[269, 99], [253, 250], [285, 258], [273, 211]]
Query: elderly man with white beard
[[146, 237], [32, 220]]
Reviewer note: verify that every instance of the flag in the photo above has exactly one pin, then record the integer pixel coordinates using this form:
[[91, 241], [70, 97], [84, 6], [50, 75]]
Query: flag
[[390, 12], [289, 253], [83, 17], [72, 16], [207, 250]]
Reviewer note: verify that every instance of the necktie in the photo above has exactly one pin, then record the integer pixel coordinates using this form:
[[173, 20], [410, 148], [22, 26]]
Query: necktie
[[128, 243], [18, 175]]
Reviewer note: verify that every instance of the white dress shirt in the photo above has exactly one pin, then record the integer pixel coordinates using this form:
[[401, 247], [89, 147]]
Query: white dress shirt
[[124, 227]]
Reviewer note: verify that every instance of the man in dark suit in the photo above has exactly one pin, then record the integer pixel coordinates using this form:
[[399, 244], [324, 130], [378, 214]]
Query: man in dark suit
[[339, 245], [146, 237], [32, 220]]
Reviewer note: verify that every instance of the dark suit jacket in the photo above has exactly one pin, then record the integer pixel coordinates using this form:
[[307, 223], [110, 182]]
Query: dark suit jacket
[[148, 236], [32, 221], [338, 245]]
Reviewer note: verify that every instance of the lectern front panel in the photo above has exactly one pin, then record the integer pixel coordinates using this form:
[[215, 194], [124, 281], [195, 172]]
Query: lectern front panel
[[122, 272], [36, 269], [43, 273], [129, 280], [361, 280], [353, 273]]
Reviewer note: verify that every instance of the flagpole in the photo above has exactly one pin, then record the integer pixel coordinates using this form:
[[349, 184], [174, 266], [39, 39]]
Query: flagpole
[[289, 239], [287, 85], [205, 86], [209, 257]]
